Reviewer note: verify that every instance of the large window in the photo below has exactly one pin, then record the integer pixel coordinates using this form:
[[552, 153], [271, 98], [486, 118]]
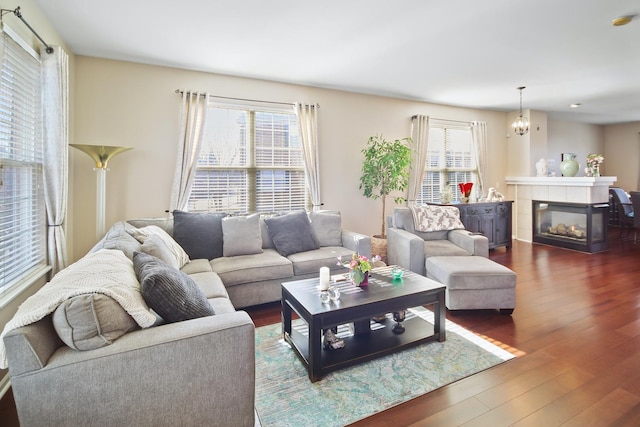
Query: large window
[[450, 160], [22, 210], [250, 161]]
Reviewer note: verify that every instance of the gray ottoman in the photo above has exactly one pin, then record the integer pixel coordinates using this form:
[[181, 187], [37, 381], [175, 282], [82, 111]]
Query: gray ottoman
[[474, 282]]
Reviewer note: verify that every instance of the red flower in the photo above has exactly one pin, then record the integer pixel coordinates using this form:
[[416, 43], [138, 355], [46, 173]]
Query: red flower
[[465, 188]]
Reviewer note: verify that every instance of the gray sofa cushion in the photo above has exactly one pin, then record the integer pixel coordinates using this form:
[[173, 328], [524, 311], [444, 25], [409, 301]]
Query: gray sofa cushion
[[242, 235], [291, 233], [252, 268], [87, 322], [327, 227], [309, 262], [443, 248], [264, 231], [200, 234], [168, 291]]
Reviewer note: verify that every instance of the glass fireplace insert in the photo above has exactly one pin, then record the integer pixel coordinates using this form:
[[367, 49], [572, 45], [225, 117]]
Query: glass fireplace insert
[[578, 226]]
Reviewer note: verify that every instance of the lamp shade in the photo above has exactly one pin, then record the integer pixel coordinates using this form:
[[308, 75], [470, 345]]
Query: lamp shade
[[101, 154]]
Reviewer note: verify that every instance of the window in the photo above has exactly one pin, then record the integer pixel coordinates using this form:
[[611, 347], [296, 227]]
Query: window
[[22, 210], [250, 161], [450, 160]]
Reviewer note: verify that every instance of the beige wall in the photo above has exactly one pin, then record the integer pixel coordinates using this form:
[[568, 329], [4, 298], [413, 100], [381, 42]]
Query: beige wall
[[622, 154], [579, 138], [121, 103]]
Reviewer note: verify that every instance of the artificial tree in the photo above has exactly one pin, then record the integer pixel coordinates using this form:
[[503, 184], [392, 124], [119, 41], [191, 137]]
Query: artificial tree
[[385, 169]]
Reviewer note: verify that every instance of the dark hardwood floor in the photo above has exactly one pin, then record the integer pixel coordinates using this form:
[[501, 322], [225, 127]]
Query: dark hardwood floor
[[576, 331]]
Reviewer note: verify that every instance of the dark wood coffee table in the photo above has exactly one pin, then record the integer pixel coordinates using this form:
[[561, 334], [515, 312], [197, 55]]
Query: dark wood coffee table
[[358, 306]]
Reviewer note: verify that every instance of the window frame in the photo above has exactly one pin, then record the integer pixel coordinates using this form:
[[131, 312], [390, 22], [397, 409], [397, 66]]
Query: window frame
[[251, 168], [444, 173], [23, 258]]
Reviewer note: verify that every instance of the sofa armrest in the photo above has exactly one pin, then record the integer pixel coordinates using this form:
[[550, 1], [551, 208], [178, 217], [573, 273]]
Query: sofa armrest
[[475, 244], [406, 250], [197, 372], [357, 242]]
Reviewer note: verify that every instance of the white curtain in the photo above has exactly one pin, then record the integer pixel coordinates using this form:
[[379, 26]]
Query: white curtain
[[479, 140], [308, 123], [55, 103], [192, 122], [420, 137]]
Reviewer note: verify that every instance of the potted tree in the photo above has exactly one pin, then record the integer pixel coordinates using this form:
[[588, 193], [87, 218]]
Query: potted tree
[[385, 169]]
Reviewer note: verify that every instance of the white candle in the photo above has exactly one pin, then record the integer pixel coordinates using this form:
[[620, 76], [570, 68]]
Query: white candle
[[324, 278]]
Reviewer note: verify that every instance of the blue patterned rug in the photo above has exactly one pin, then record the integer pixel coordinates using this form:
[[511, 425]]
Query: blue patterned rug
[[286, 397]]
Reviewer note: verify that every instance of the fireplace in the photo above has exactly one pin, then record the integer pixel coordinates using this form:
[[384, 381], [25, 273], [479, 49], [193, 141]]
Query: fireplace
[[578, 226]]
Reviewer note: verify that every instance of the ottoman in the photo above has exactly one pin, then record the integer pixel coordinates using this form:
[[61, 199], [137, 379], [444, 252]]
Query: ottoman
[[474, 282]]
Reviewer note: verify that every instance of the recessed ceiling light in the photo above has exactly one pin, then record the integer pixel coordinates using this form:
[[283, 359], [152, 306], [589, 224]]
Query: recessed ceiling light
[[576, 105], [622, 20]]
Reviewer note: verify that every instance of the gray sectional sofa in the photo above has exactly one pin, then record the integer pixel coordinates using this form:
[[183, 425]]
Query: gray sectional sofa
[[186, 371]]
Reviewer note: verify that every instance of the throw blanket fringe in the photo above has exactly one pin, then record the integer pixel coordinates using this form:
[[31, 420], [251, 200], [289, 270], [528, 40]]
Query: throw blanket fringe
[[106, 271], [428, 218]]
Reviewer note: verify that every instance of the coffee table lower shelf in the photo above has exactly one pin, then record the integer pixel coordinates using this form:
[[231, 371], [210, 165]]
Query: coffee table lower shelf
[[365, 346]]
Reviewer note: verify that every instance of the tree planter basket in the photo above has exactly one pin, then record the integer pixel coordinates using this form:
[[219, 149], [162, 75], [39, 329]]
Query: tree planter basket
[[379, 247]]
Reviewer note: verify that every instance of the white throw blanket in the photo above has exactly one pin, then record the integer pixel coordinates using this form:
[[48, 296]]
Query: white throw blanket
[[428, 218], [106, 271]]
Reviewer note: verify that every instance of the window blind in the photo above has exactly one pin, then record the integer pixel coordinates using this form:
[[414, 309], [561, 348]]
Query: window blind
[[22, 210], [250, 161], [450, 161]]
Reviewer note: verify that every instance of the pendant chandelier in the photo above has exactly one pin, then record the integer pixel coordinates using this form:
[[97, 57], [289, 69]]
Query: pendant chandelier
[[521, 125]]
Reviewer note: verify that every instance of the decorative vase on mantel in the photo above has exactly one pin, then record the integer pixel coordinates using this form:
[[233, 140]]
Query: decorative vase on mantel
[[595, 170], [569, 166]]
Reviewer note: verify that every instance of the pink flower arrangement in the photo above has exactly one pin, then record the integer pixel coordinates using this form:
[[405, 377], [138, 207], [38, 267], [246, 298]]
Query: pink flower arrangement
[[359, 266]]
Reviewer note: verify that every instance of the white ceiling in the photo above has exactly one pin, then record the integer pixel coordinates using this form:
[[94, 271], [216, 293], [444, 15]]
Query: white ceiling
[[466, 53]]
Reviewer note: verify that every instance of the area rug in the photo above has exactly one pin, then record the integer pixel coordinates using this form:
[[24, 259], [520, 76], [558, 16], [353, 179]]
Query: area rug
[[286, 397]]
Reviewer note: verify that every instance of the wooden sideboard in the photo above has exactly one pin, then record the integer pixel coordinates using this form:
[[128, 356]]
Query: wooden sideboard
[[492, 219]]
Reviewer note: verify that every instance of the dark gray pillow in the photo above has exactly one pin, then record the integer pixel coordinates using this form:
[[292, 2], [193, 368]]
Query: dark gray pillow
[[200, 234], [291, 233], [168, 291]]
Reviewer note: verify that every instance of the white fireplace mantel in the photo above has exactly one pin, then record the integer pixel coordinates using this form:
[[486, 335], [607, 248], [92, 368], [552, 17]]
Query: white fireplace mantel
[[524, 189]]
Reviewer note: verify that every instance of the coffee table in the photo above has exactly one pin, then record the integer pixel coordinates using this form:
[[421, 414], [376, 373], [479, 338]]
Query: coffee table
[[358, 306]]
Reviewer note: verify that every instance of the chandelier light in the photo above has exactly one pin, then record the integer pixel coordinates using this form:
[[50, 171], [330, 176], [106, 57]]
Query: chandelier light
[[521, 125]]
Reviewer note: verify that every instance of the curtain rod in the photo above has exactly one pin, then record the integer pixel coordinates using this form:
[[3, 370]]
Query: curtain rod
[[246, 99], [443, 120], [17, 12]]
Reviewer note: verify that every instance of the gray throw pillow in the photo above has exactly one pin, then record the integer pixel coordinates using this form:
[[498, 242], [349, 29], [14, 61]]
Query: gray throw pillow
[[90, 321], [242, 235], [168, 291], [119, 237], [327, 227], [291, 233], [200, 234]]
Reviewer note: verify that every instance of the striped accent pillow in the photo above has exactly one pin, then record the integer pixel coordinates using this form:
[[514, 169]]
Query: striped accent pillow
[[168, 291]]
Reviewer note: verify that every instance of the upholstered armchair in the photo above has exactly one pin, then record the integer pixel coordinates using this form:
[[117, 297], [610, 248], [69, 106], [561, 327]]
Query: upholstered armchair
[[409, 248]]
